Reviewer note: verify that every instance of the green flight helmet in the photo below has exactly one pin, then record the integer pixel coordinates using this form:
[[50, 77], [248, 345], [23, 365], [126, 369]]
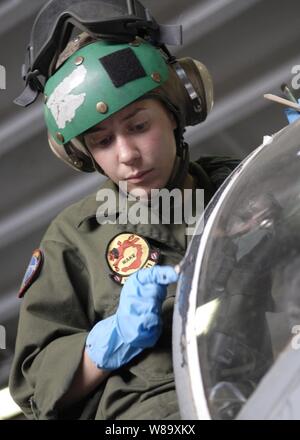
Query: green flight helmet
[[97, 81], [96, 78]]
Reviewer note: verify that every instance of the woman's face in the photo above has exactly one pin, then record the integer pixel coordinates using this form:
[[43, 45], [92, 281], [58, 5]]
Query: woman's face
[[136, 145]]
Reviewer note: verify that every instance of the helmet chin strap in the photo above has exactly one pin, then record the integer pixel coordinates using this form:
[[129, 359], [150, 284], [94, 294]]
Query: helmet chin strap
[[181, 163], [177, 178], [180, 168]]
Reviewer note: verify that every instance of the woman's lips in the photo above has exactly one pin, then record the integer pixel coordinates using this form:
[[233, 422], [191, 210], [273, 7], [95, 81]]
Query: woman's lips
[[136, 178]]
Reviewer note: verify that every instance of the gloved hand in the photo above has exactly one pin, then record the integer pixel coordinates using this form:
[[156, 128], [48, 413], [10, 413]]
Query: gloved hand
[[136, 325], [291, 114]]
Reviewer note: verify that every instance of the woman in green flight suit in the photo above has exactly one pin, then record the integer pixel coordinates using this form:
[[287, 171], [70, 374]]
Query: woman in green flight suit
[[95, 329]]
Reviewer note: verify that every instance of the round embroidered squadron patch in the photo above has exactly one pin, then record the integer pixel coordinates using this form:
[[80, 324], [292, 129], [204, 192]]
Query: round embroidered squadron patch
[[32, 271], [126, 253]]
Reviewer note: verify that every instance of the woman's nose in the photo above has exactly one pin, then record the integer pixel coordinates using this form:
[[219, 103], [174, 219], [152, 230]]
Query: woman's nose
[[127, 151]]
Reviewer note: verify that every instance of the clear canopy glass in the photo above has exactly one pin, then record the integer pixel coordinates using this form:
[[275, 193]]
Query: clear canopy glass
[[238, 302]]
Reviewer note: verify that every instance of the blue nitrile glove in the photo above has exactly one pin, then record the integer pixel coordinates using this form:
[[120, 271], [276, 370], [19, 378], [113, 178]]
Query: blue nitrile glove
[[291, 114], [136, 325]]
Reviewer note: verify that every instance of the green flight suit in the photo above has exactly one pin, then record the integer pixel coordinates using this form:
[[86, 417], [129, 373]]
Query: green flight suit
[[72, 293]]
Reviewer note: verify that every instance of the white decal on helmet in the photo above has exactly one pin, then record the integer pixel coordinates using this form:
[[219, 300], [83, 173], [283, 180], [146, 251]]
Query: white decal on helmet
[[61, 103]]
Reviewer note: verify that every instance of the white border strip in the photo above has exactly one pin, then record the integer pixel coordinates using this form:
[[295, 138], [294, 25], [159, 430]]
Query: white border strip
[[8, 408]]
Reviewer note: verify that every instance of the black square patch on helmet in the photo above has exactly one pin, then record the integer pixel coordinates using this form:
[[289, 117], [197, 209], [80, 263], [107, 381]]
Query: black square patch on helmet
[[123, 66]]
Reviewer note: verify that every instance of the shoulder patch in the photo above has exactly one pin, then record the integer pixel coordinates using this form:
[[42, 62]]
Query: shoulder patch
[[32, 271]]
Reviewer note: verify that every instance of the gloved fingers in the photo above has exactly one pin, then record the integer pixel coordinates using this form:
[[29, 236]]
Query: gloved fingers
[[135, 295], [107, 349], [157, 275], [292, 115], [140, 332], [137, 322], [145, 300]]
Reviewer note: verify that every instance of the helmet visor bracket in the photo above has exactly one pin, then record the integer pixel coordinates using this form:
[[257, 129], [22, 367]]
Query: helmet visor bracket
[[115, 20], [127, 18]]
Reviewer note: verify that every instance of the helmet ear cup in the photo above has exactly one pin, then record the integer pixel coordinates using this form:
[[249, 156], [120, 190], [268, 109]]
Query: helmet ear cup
[[73, 154], [207, 83], [197, 84]]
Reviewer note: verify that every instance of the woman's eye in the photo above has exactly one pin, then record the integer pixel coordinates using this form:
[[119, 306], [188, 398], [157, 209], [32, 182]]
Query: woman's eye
[[141, 126], [102, 142], [105, 141]]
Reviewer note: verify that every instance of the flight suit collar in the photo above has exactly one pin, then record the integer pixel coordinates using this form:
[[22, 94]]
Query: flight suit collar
[[172, 235], [159, 232], [89, 210]]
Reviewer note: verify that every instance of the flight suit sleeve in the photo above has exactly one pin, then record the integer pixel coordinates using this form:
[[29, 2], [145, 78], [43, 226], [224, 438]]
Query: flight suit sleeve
[[53, 326]]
